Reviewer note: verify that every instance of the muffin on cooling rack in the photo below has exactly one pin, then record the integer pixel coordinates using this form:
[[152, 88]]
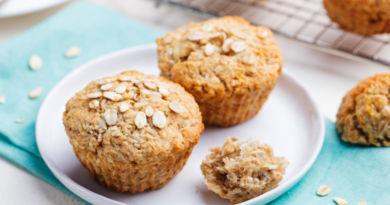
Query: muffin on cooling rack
[[364, 114], [240, 171], [366, 17], [133, 132], [228, 65]]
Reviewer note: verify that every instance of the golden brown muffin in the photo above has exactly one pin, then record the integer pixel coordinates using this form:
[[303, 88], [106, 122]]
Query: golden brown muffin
[[133, 132], [228, 65], [364, 114], [240, 171], [365, 17]]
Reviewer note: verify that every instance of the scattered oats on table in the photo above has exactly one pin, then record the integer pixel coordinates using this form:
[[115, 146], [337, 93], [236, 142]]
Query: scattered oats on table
[[129, 129], [2, 99], [35, 92], [362, 203], [340, 201], [19, 120], [240, 171], [35, 62], [323, 190], [73, 52]]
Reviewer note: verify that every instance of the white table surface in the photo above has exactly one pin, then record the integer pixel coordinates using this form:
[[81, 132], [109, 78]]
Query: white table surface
[[328, 78]]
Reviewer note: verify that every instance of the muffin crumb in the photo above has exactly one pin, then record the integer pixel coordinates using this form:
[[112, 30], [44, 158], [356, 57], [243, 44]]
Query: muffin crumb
[[240, 171]]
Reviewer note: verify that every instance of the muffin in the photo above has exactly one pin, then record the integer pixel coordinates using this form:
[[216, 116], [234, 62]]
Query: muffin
[[240, 171], [133, 132], [364, 114], [365, 17], [228, 65]]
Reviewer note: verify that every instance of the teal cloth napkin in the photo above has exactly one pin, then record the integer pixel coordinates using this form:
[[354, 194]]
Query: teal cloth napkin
[[353, 172], [96, 30]]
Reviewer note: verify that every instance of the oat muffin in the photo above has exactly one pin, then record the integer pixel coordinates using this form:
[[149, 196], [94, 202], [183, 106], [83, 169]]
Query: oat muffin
[[364, 114], [240, 171], [228, 65], [133, 132], [365, 17]]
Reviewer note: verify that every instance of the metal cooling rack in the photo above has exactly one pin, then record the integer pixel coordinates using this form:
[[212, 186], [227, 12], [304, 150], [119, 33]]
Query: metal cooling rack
[[303, 20]]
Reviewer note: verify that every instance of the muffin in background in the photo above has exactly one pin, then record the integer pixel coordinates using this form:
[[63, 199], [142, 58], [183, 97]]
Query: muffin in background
[[133, 132], [365, 17], [240, 171], [228, 65], [364, 114]]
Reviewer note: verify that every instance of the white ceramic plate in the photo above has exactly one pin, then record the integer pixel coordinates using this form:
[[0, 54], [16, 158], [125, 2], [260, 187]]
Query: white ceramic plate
[[9, 8], [290, 122]]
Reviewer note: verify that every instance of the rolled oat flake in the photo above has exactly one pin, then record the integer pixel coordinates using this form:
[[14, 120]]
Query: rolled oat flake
[[73, 52], [35, 62], [340, 201], [163, 91], [124, 106], [94, 104], [2, 99], [323, 190], [140, 120], [176, 107], [19, 120], [35, 92], [159, 119], [110, 116], [149, 111]]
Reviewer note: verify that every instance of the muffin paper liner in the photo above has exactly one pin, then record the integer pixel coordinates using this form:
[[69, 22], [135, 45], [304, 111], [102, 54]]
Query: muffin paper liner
[[235, 109], [122, 177]]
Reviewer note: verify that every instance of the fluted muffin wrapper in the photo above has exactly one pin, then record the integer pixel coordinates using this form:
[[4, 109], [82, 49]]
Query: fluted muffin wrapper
[[357, 21], [123, 177], [235, 109]]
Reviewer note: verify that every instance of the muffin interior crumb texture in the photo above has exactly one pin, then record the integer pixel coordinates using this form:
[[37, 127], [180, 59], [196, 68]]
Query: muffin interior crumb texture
[[240, 171]]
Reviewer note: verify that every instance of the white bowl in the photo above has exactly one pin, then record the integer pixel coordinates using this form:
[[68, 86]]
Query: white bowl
[[289, 121], [10, 8]]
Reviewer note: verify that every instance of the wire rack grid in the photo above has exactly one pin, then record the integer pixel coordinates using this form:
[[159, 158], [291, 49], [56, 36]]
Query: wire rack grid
[[302, 20]]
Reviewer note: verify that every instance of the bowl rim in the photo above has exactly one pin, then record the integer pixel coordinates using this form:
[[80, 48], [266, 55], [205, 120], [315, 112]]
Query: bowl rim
[[95, 198]]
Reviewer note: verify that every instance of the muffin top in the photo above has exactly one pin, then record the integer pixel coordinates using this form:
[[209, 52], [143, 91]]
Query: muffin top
[[220, 57], [133, 117], [364, 114]]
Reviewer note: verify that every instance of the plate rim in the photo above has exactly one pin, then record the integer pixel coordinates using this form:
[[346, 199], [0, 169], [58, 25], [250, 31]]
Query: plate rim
[[30, 11], [89, 196]]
